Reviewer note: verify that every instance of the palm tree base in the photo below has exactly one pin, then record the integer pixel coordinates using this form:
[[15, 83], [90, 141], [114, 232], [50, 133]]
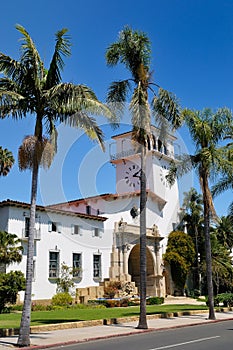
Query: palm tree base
[[142, 326]]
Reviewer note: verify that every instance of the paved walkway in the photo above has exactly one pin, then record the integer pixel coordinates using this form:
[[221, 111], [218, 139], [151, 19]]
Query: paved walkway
[[48, 338]]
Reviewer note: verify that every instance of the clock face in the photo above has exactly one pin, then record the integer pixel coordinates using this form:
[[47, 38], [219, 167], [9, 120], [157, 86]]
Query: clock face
[[132, 175]]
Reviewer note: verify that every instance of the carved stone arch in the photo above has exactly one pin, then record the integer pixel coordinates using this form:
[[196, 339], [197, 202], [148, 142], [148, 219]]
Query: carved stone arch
[[134, 265]]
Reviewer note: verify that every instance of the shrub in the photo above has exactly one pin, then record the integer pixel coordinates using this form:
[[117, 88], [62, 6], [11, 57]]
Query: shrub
[[155, 301], [62, 299], [225, 298], [10, 284]]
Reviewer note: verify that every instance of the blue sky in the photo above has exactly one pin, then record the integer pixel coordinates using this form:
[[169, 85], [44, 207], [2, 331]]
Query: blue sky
[[192, 56]]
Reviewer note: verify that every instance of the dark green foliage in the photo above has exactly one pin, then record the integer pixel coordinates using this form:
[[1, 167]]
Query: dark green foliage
[[10, 248], [6, 161], [155, 301], [10, 284], [179, 255], [223, 299]]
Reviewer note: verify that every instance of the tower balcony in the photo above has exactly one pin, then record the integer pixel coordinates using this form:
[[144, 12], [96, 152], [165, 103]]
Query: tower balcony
[[114, 157]]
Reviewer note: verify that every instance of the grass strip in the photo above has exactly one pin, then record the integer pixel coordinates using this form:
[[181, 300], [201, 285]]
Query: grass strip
[[12, 320]]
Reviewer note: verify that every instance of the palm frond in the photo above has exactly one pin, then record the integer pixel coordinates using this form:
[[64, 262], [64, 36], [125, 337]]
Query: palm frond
[[8, 65], [178, 168], [224, 184], [11, 104], [230, 210], [6, 161], [116, 96], [166, 108], [113, 54], [88, 124], [30, 58], [62, 48], [67, 99]]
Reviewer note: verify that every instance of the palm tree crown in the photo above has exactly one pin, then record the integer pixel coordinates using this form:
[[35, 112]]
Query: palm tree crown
[[6, 161]]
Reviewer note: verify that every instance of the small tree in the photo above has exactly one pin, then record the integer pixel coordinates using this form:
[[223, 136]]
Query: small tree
[[180, 256], [10, 250], [65, 281], [10, 284]]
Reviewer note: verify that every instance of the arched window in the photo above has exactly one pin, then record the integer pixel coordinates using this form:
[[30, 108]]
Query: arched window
[[160, 144], [148, 143], [153, 142]]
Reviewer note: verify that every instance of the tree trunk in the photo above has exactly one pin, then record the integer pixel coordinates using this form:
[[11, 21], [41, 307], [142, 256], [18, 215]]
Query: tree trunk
[[143, 198], [205, 189], [24, 332]]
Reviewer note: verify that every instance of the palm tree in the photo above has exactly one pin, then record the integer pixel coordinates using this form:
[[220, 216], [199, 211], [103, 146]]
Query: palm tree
[[133, 50], [207, 130], [28, 88], [221, 265], [10, 249], [193, 206], [6, 161], [224, 231]]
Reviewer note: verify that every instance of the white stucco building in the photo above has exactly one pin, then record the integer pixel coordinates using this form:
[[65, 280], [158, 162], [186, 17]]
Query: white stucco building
[[100, 234]]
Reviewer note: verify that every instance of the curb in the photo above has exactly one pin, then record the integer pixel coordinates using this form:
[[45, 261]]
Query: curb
[[149, 330]]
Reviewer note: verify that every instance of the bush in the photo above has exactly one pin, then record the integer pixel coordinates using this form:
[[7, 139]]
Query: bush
[[10, 284], [62, 299], [155, 301], [224, 298]]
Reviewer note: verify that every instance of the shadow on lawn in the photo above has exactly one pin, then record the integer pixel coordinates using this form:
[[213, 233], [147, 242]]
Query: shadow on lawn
[[52, 321]]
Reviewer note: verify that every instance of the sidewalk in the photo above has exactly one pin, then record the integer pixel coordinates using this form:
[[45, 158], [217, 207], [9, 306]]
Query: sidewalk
[[48, 338]]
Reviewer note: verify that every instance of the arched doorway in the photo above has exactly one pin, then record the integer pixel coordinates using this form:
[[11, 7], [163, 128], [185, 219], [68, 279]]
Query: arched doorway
[[134, 267]]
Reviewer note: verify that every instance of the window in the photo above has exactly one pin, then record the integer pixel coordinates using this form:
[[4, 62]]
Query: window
[[160, 145], [88, 209], [77, 265], [76, 230], [53, 264], [27, 224], [54, 226], [154, 141], [97, 266], [97, 232]]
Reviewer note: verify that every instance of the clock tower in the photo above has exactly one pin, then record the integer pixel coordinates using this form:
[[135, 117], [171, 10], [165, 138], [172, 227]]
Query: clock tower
[[128, 168]]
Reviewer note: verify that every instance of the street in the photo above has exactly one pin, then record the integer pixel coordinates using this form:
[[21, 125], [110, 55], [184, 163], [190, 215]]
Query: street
[[212, 336]]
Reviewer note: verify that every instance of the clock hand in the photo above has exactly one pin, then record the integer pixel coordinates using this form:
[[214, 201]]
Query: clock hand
[[137, 174]]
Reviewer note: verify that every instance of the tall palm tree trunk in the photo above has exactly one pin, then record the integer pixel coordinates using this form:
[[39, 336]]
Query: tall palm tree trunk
[[24, 332], [208, 248], [143, 274]]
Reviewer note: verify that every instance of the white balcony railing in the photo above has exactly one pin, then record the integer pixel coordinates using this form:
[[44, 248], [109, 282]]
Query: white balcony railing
[[25, 233], [130, 152]]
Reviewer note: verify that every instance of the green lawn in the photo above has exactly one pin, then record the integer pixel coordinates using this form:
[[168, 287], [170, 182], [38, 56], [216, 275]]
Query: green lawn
[[12, 320]]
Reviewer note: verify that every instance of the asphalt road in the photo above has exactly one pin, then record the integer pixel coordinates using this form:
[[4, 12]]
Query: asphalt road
[[214, 336]]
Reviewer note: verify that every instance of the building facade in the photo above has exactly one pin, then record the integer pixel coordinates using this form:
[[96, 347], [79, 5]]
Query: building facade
[[99, 235]]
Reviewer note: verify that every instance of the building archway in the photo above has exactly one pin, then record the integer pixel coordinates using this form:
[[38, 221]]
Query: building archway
[[134, 267]]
